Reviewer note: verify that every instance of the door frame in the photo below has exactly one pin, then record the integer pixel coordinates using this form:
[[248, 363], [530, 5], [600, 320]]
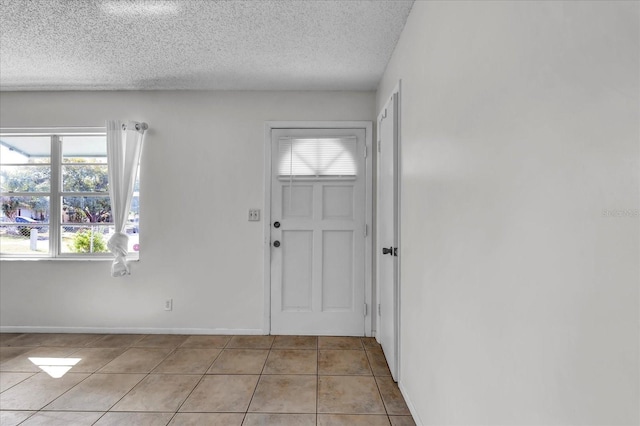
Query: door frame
[[398, 225], [368, 246]]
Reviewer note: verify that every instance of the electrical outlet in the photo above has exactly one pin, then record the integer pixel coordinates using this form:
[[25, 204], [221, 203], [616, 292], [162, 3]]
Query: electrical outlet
[[168, 305], [254, 215]]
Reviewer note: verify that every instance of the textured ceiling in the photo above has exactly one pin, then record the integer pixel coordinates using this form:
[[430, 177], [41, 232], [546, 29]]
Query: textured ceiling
[[197, 44]]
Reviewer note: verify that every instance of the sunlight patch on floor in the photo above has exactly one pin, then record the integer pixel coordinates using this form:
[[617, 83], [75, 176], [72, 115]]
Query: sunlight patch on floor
[[55, 367]]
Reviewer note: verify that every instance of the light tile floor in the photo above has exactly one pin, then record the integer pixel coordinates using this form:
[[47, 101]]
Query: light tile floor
[[197, 380]]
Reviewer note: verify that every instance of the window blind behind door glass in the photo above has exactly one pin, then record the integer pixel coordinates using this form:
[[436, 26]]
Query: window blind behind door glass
[[317, 157]]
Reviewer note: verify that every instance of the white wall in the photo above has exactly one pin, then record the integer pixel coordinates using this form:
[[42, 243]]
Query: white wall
[[520, 125], [202, 162]]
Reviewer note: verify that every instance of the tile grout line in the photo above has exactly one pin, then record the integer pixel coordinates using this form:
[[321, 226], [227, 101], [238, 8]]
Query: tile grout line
[[134, 386], [139, 381], [258, 381], [16, 384], [199, 381], [375, 380]]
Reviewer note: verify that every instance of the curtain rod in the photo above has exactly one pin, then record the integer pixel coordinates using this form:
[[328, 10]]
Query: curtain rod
[[141, 127]]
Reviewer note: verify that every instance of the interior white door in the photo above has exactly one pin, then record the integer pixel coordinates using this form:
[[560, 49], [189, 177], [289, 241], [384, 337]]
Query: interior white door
[[387, 234], [317, 231]]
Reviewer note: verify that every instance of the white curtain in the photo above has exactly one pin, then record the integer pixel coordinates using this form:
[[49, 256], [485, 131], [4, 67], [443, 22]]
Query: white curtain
[[124, 146]]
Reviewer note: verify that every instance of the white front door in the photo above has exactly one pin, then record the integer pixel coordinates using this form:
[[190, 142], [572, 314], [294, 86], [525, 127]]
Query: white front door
[[317, 231], [387, 233]]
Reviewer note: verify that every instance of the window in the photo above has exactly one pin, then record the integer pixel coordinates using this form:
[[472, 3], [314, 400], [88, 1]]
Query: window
[[326, 157], [54, 189]]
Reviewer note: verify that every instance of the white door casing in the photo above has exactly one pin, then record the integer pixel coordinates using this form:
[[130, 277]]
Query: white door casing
[[388, 233], [317, 267]]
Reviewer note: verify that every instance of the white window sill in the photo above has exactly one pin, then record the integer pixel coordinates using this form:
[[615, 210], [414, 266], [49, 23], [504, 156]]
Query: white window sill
[[64, 259]]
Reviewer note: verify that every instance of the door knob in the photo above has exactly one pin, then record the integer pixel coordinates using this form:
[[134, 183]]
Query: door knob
[[276, 243], [276, 224]]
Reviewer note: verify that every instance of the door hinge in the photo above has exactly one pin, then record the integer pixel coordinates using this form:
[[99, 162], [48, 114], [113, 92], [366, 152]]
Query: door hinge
[[379, 314], [365, 151], [366, 229], [365, 309]]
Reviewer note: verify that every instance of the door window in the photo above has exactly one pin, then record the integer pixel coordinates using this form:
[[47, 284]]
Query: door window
[[319, 157]]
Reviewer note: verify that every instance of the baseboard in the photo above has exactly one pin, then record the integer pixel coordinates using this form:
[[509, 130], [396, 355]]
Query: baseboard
[[130, 330], [410, 405]]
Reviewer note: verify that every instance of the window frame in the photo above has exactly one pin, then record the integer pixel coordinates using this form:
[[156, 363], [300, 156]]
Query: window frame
[[56, 194]]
